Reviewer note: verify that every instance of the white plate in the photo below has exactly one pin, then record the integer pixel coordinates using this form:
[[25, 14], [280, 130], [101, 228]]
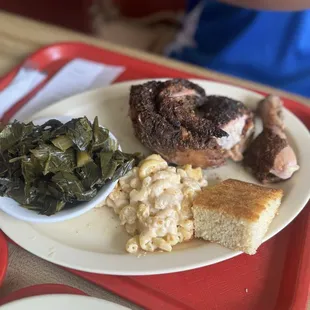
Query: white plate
[[95, 241], [14, 209], [62, 302]]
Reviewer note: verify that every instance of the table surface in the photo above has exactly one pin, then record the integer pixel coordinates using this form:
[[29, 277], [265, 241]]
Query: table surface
[[19, 37]]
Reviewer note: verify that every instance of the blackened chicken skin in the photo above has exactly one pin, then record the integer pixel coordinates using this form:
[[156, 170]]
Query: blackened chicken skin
[[270, 157], [234, 119], [178, 102], [175, 119]]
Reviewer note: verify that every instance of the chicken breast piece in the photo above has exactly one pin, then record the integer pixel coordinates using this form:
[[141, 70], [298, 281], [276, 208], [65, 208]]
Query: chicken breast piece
[[177, 120]]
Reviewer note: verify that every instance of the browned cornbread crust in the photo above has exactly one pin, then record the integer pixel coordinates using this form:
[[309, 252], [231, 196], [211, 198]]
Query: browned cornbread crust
[[238, 199]]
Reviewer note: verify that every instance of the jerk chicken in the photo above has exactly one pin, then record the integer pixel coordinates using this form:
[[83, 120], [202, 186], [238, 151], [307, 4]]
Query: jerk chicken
[[270, 157], [178, 121]]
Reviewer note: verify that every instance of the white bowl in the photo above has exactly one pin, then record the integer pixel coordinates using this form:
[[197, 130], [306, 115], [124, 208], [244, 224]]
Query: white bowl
[[11, 207]]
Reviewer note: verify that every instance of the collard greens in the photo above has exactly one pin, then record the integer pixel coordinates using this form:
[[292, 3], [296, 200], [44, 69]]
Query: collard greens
[[54, 166]]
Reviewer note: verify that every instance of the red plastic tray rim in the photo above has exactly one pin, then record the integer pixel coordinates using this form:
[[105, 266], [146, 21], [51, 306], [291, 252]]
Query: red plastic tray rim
[[292, 295]]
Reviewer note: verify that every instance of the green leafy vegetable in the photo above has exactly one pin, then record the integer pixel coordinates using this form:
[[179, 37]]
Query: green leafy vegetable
[[45, 204], [89, 174], [80, 132], [55, 166], [14, 133], [72, 188], [31, 170], [53, 160], [125, 163], [100, 136], [62, 142], [82, 158], [107, 166]]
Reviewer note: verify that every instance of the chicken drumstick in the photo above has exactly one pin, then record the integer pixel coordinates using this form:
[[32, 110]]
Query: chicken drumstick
[[270, 157]]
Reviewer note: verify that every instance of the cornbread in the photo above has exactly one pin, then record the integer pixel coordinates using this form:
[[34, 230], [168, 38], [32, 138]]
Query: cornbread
[[235, 214]]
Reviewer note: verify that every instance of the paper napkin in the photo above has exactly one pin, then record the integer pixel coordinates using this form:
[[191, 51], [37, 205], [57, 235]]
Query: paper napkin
[[77, 76]]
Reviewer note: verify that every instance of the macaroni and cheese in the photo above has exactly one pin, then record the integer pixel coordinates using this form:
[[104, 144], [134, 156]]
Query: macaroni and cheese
[[154, 203]]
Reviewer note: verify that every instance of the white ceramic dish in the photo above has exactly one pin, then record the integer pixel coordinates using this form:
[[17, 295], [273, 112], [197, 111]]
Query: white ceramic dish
[[95, 242], [61, 302], [13, 208]]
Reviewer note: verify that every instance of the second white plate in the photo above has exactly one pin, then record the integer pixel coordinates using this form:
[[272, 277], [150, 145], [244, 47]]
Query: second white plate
[[61, 302]]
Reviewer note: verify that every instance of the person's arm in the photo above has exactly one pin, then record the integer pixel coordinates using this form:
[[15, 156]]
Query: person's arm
[[278, 5]]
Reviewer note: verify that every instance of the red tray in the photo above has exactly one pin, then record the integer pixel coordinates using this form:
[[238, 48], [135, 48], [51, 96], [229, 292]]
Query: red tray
[[3, 257], [36, 290], [277, 277]]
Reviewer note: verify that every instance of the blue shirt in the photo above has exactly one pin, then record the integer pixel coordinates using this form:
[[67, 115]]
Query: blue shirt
[[268, 47]]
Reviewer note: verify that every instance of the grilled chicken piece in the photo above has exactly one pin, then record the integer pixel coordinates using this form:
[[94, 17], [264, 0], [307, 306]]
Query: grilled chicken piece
[[234, 119], [177, 120], [270, 157]]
